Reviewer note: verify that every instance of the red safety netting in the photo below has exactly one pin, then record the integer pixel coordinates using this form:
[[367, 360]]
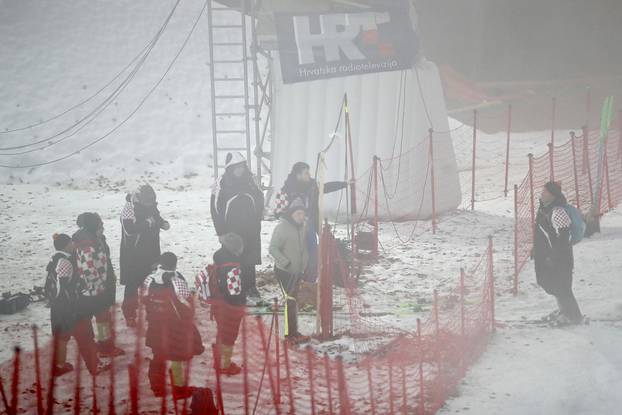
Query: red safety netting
[[575, 165], [413, 371]]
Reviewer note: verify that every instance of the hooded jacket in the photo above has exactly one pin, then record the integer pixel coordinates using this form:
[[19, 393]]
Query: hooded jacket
[[288, 246], [237, 207], [552, 250], [140, 240]]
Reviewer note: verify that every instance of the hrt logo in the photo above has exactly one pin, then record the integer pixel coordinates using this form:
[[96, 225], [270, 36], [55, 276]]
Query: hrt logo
[[340, 34]]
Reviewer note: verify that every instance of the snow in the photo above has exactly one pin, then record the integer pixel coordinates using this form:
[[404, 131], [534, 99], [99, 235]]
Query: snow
[[49, 66]]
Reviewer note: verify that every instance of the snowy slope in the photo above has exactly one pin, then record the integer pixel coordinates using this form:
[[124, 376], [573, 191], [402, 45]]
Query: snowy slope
[[56, 54]]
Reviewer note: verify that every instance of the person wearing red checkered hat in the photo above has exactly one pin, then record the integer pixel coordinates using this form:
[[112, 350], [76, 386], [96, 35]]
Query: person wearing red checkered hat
[[553, 254], [171, 333], [228, 298]]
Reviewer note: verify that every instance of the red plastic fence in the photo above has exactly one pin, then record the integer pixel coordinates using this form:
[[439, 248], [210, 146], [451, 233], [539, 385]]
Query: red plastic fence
[[574, 165], [412, 372]]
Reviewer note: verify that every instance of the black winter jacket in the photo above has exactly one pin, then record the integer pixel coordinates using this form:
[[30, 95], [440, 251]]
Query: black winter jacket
[[552, 250], [140, 241], [238, 208]]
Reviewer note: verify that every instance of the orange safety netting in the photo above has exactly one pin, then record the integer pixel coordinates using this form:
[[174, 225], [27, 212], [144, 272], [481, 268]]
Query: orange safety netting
[[413, 371]]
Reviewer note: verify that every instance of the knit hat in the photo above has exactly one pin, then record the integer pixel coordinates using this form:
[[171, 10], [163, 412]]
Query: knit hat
[[555, 189], [232, 243], [61, 241], [233, 159], [90, 221], [297, 204], [168, 261], [145, 195], [299, 167]]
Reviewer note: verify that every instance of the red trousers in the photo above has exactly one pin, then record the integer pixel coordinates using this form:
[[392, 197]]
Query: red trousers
[[228, 318]]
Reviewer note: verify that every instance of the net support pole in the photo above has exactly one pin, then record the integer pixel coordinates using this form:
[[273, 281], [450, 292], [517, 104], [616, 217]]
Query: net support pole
[[588, 167], [551, 163], [38, 389], [15, 380], [391, 393], [474, 151], [344, 398], [245, 366], [515, 290], [219, 399], [329, 388], [553, 121], [491, 281], [609, 201], [266, 353], [113, 340], [507, 150], [404, 396], [433, 186], [588, 105], [309, 353], [421, 377], [376, 230], [277, 350], [77, 395], [462, 324], [49, 409], [532, 195], [370, 386], [575, 170], [438, 389], [290, 386]]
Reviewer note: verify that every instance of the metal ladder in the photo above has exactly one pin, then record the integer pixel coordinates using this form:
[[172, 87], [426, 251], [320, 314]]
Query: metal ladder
[[229, 80]]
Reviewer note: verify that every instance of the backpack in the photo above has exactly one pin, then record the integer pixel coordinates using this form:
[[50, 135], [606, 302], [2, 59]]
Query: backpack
[[51, 287], [203, 402], [577, 229]]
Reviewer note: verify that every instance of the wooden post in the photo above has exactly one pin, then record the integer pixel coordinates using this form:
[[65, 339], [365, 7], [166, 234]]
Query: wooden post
[[574, 169], [507, 150], [473, 159], [431, 155]]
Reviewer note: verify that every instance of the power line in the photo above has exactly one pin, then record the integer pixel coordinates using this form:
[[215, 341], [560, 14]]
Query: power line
[[138, 107], [145, 53]]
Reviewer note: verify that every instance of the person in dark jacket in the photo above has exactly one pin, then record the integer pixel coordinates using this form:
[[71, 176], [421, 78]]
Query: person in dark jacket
[[64, 318], [171, 332], [97, 280], [140, 245], [300, 185], [288, 247], [228, 298], [553, 255], [237, 207]]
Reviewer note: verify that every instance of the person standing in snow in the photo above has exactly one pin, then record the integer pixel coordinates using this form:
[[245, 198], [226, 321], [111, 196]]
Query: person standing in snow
[[299, 185], [228, 298], [140, 245], [236, 207], [171, 332], [65, 321], [97, 280], [553, 254], [289, 249]]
